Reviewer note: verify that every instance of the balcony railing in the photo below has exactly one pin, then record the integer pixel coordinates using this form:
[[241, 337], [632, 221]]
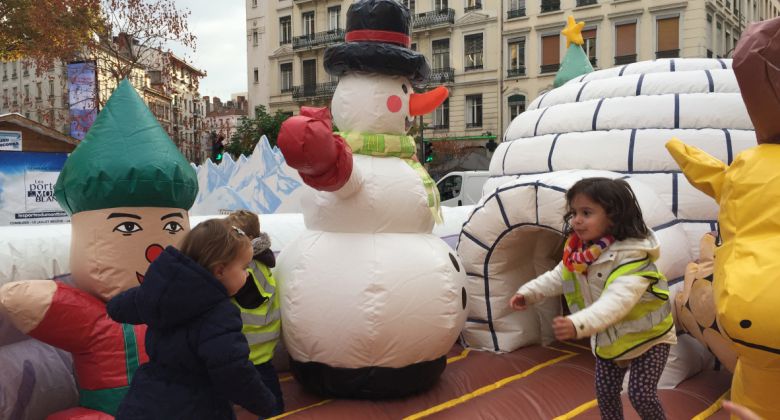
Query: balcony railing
[[551, 5], [516, 72], [515, 13], [318, 38], [442, 126], [625, 59], [441, 75], [667, 54], [434, 18], [287, 89], [320, 90], [476, 6], [549, 68], [473, 67], [581, 3], [474, 124]]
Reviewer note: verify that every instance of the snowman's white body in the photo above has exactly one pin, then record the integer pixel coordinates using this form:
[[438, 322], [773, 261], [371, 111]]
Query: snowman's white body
[[368, 285]]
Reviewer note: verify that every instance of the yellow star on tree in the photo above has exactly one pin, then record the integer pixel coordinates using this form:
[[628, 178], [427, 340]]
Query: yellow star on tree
[[573, 32]]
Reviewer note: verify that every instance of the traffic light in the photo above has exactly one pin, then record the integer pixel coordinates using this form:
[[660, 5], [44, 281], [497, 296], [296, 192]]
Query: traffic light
[[217, 150], [427, 151]]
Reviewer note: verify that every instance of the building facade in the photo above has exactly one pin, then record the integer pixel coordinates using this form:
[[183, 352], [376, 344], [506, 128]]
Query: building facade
[[495, 56], [223, 118], [616, 33], [171, 95]]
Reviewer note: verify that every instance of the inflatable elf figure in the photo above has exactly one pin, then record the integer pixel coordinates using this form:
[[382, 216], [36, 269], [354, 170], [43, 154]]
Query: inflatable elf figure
[[746, 280], [127, 189]]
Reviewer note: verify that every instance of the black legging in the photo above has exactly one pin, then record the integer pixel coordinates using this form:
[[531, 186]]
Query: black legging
[[642, 385]]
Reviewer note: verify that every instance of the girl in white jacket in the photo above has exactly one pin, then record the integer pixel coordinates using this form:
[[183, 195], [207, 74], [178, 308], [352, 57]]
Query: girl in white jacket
[[615, 294]]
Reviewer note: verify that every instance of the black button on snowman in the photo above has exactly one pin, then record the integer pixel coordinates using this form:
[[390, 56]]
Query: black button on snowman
[[371, 300]]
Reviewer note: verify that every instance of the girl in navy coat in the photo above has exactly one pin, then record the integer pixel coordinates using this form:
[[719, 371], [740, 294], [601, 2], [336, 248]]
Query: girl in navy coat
[[198, 357]]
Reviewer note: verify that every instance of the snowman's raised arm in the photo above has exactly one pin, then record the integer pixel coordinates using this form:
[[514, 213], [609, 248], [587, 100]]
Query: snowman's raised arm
[[309, 145]]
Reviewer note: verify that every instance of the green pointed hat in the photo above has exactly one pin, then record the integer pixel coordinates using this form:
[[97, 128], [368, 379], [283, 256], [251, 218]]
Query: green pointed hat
[[126, 160]]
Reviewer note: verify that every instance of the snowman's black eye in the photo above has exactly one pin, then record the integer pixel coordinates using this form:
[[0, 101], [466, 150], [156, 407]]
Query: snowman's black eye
[[405, 89]]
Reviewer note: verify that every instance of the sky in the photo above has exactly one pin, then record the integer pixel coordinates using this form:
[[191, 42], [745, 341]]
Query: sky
[[221, 45]]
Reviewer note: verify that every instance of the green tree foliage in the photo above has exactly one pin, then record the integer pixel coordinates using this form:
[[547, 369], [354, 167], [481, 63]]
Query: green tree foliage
[[250, 130]]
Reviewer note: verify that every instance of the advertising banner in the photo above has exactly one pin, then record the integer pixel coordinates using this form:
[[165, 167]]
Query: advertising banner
[[82, 97], [11, 141], [27, 182]]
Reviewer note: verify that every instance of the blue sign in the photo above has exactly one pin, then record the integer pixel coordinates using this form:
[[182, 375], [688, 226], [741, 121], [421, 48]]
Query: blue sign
[[27, 182], [82, 97]]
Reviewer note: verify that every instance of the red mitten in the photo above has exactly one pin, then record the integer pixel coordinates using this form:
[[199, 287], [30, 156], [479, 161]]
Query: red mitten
[[309, 145]]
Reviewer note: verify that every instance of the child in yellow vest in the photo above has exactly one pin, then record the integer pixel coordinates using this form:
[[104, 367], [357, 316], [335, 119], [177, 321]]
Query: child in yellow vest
[[259, 303], [615, 293]]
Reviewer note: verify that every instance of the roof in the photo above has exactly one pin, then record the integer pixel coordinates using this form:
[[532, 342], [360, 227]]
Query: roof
[[37, 127]]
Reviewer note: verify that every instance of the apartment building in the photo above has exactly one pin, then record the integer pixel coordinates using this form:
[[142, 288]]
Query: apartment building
[[172, 97], [616, 33], [495, 56]]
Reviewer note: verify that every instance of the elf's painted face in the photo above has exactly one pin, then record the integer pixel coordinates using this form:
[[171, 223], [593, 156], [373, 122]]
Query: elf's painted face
[[112, 248]]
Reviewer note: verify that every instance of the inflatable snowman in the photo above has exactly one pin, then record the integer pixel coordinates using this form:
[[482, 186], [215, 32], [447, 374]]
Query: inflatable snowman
[[371, 300]]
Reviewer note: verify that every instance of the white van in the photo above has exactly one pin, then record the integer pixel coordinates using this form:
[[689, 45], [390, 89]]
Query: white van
[[462, 188]]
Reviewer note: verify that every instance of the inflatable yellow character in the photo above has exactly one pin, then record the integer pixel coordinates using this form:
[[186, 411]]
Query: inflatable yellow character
[[128, 189], [747, 264]]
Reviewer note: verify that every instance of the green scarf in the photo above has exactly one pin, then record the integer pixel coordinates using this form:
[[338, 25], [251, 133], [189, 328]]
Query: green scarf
[[402, 147]]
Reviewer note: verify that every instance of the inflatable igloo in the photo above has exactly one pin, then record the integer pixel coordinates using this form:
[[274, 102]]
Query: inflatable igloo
[[614, 120]]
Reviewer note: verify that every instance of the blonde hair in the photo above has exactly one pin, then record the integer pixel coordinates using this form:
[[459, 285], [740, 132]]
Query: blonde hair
[[214, 242], [246, 221]]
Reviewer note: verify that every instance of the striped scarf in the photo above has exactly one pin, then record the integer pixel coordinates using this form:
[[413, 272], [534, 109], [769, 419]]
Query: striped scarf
[[402, 147], [578, 256]]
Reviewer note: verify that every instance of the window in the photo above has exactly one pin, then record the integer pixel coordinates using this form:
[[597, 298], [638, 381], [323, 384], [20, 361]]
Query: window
[[13, 70], [719, 41], [440, 5], [727, 50], [589, 37], [5, 71], [625, 43], [254, 3], [441, 116], [441, 53], [516, 65], [14, 94], [308, 24], [410, 4], [473, 111], [473, 44], [5, 97], [413, 47], [254, 38], [516, 105], [668, 37], [256, 74], [473, 5], [551, 53], [38, 91], [334, 18], [708, 36], [516, 9], [51, 89], [449, 187], [285, 30], [286, 70], [26, 93]]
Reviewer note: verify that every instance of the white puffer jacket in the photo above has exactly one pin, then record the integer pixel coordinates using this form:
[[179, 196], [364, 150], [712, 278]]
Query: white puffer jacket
[[603, 308]]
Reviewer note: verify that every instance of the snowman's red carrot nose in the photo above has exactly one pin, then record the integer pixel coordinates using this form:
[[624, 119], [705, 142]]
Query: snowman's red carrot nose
[[424, 103]]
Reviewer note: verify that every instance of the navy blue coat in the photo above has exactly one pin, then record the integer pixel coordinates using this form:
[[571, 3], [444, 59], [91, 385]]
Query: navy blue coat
[[198, 357]]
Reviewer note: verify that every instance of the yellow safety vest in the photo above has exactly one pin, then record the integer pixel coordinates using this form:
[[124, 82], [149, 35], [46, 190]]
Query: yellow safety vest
[[262, 325], [649, 319]]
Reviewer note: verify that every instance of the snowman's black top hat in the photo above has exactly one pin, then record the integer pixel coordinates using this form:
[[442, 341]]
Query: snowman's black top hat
[[377, 41]]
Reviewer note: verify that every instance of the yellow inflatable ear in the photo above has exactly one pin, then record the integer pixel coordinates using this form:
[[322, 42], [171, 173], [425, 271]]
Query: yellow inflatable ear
[[703, 171]]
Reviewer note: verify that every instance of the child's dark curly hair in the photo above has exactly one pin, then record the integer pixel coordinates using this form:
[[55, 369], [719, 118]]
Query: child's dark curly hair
[[619, 202]]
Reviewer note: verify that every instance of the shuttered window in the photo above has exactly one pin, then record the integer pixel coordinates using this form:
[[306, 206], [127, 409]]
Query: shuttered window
[[668, 34], [626, 39]]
